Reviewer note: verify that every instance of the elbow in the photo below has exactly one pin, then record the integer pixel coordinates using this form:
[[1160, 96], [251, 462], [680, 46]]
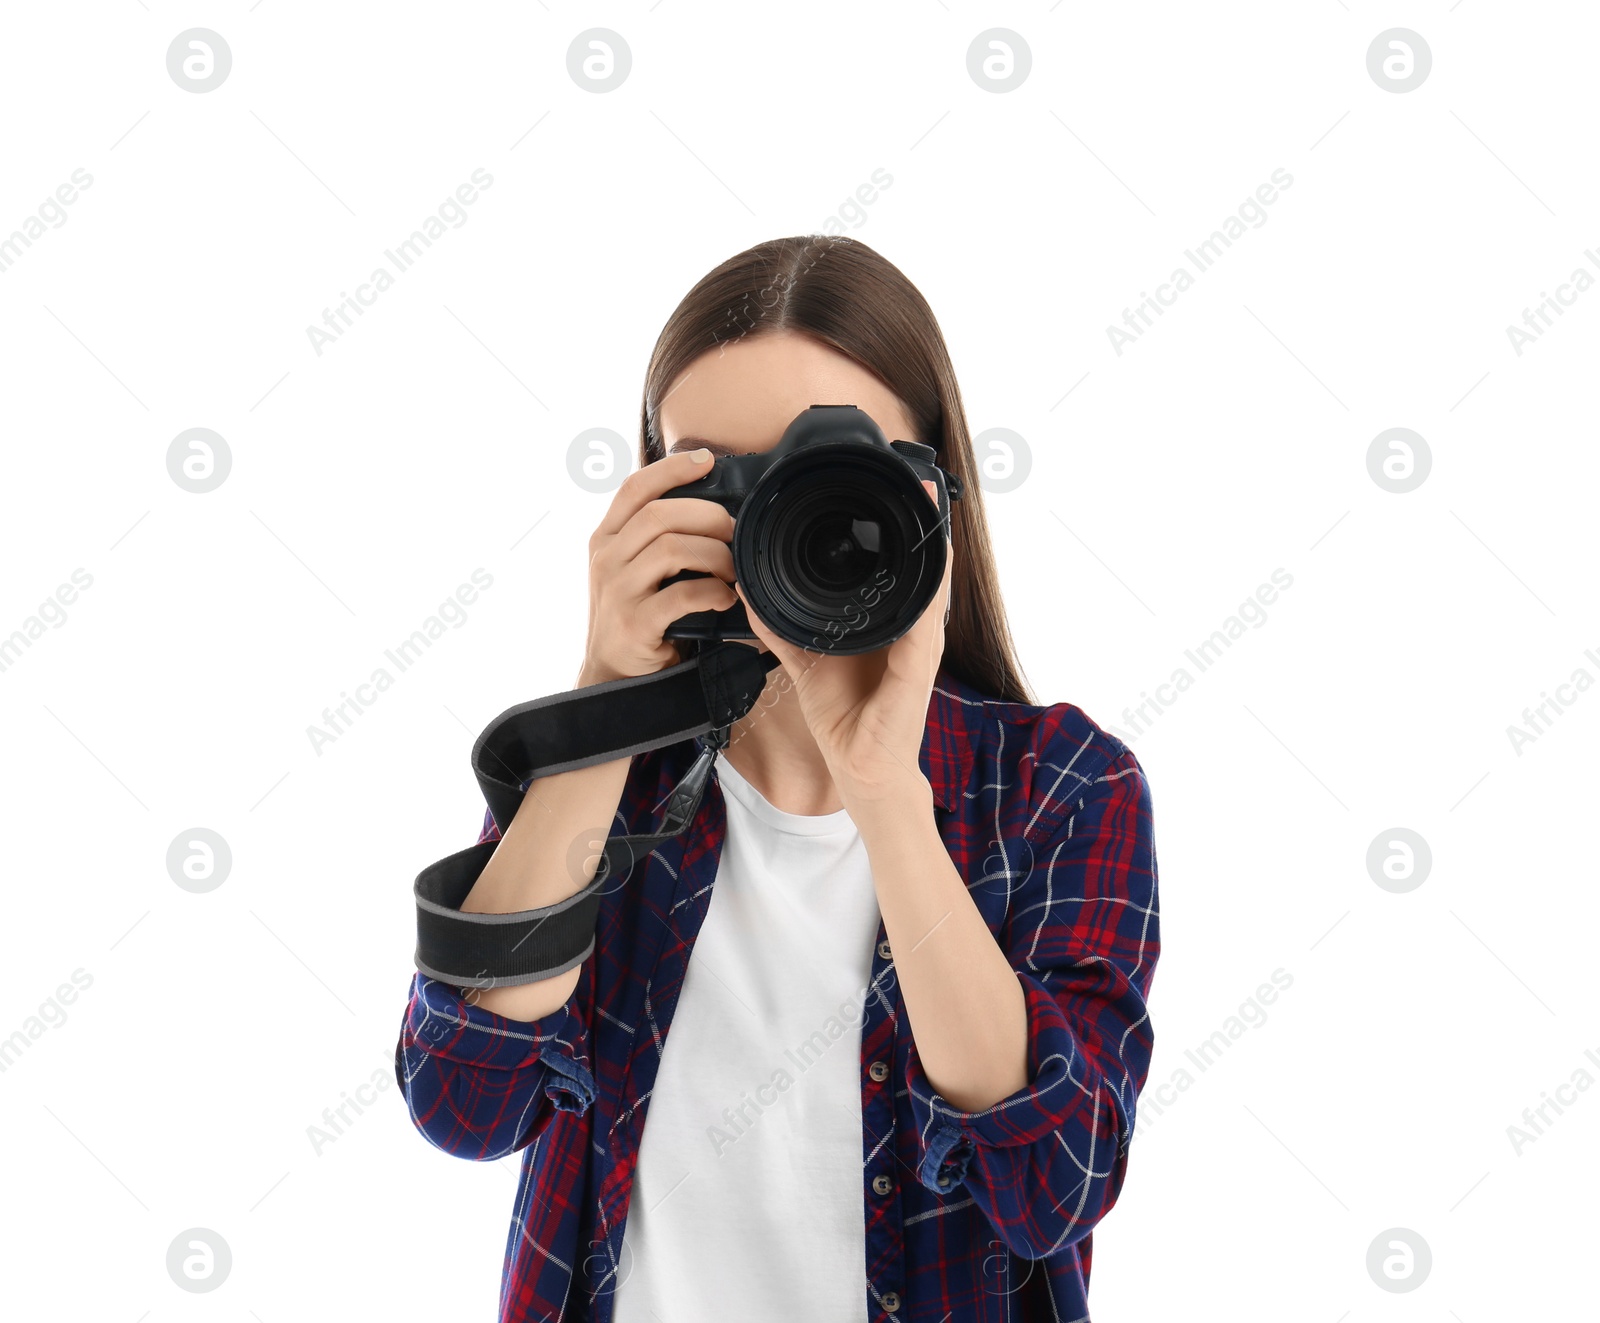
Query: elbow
[[480, 1087], [1072, 1199], [439, 1101], [482, 1116], [1041, 1198]]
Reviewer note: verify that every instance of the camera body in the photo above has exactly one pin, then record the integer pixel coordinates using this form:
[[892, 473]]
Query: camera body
[[835, 542]]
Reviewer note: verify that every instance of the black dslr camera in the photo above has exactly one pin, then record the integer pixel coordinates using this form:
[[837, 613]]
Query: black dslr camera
[[835, 542]]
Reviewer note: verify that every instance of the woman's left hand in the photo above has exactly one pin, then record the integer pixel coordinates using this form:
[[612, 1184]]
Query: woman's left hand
[[869, 713]]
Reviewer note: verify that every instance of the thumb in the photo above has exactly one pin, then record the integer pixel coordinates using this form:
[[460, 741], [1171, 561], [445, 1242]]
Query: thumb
[[780, 648]]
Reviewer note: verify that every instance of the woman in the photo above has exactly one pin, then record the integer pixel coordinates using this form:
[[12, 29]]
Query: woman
[[903, 950]]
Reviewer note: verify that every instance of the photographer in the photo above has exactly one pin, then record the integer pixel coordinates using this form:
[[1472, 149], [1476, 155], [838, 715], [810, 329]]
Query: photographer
[[904, 821]]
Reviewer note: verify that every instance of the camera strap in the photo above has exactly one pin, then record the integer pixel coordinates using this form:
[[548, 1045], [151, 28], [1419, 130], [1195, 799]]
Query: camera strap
[[700, 699]]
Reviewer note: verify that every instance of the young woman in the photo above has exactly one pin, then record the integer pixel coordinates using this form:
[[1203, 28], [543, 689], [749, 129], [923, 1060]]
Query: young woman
[[864, 1042]]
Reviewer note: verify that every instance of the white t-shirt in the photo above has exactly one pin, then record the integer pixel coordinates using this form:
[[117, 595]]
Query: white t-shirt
[[747, 1199]]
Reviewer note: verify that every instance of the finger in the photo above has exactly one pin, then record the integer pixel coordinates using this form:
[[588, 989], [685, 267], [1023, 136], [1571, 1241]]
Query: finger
[[949, 587], [756, 625], [666, 516], [655, 612], [672, 552], [918, 652], [644, 485], [932, 489], [937, 612], [779, 647]]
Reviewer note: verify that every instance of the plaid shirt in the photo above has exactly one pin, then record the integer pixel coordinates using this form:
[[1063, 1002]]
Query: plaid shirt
[[988, 1215]]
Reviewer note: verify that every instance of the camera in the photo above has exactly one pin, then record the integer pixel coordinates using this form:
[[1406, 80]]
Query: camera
[[835, 542]]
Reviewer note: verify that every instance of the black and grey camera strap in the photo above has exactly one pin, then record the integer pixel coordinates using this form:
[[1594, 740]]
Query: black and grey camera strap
[[697, 699]]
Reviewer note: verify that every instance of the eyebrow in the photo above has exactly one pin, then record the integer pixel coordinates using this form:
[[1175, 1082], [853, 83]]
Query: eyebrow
[[694, 442]]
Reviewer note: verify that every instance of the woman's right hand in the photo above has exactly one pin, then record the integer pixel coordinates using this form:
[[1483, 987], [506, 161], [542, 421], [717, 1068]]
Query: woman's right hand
[[642, 540]]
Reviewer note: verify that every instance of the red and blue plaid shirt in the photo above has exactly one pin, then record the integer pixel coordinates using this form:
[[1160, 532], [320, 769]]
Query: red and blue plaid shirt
[[989, 1214]]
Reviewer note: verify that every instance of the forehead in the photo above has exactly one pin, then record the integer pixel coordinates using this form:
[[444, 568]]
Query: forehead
[[745, 393]]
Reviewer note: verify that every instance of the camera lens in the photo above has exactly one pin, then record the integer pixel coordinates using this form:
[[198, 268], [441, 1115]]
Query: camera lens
[[839, 549], [829, 539]]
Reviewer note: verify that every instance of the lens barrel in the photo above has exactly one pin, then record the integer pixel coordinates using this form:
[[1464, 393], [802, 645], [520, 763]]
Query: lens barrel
[[839, 549]]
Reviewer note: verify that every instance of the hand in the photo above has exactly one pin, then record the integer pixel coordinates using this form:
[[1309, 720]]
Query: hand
[[643, 539], [869, 713]]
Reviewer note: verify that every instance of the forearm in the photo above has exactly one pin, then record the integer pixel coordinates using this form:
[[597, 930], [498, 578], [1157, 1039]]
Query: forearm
[[966, 1007], [550, 852]]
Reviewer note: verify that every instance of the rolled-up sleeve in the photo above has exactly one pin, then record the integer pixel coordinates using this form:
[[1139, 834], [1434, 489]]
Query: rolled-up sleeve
[[480, 1085], [1082, 933]]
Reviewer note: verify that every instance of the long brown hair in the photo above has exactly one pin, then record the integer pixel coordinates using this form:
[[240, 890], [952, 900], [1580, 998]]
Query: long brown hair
[[842, 293]]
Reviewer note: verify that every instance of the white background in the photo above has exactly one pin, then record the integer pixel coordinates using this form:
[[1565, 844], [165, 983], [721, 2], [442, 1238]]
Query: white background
[[1167, 483]]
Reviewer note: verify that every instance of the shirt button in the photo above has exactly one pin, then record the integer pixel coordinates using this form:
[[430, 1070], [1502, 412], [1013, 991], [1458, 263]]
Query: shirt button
[[882, 1185], [891, 1301], [879, 1070], [883, 948]]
